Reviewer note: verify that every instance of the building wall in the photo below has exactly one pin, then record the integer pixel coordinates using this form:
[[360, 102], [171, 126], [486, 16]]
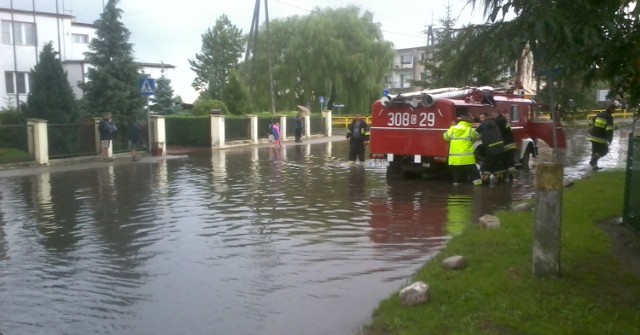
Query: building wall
[[72, 43], [406, 68]]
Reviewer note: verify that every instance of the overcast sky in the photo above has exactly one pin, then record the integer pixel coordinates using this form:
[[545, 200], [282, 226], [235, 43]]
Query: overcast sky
[[170, 31]]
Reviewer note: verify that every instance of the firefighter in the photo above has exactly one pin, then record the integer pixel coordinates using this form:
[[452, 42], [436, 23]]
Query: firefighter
[[601, 134], [358, 135], [493, 149], [507, 162], [462, 160]]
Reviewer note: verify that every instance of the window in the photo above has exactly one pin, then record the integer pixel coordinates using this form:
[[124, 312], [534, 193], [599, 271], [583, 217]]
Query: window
[[80, 38], [514, 115], [18, 33], [405, 80], [387, 79], [406, 59], [17, 82]]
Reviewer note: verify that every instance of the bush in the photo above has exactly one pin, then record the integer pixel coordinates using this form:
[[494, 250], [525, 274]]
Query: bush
[[192, 131], [204, 106]]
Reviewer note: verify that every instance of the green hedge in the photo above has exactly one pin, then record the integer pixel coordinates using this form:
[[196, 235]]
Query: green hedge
[[190, 131]]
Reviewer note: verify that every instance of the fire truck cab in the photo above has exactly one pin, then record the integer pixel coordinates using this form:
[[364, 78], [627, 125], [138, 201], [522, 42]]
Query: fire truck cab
[[407, 129]]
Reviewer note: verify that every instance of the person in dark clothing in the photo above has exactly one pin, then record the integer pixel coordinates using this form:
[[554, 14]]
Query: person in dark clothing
[[135, 139], [358, 135], [107, 130], [493, 148], [600, 135], [507, 162], [299, 127]]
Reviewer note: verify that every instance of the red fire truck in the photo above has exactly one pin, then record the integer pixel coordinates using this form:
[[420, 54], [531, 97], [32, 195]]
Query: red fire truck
[[407, 129]]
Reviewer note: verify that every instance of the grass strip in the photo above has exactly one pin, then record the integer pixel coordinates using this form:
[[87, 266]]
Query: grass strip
[[498, 294]]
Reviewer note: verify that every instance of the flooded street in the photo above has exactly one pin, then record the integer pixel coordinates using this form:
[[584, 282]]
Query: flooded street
[[241, 241]]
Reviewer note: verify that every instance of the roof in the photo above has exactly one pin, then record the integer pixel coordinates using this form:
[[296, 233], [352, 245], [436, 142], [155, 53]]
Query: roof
[[142, 64], [31, 12]]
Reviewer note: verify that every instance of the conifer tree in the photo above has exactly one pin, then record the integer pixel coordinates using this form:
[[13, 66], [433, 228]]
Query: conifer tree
[[51, 97], [113, 75], [163, 100], [236, 95]]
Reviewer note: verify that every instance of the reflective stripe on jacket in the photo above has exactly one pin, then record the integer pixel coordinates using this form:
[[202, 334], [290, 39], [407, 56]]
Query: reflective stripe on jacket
[[461, 137], [601, 130]]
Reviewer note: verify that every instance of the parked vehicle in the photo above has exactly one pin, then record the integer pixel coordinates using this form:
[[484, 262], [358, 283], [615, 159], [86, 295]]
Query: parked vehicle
[[407, 129]]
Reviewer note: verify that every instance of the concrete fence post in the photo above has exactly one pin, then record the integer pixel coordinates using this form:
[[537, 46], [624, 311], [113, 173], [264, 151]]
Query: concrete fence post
[[40, 140], [96, 132], [158, 135], [283, 127], [327, 122], [253, 128], [548, 220], [217, 131], [307, 125]]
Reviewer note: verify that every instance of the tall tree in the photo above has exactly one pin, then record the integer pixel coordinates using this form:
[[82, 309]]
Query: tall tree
[[163, 100], [51, 97], [221, 49], [309, 57], [436, 64], [113, 75], [236, 95], [588, 39]]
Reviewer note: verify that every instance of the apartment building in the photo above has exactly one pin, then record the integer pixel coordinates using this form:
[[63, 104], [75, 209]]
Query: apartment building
[[24, 33], [407, 67]]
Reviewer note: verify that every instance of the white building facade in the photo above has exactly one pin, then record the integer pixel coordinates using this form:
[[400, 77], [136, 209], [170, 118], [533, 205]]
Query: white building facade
[[407, 67], [24, 33]]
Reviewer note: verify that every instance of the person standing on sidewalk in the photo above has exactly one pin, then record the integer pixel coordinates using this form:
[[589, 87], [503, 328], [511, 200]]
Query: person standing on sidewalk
[[601, 134], [135, 139], [107, 130], [299, 127]]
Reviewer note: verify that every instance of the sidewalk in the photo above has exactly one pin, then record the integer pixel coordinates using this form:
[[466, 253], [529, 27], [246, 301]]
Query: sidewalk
[[173, 152]]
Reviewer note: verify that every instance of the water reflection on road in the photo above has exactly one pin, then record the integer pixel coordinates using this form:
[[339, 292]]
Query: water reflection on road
[[241, 241]]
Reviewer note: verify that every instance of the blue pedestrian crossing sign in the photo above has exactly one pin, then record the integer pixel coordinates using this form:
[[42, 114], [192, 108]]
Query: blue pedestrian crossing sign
[[147, 86]]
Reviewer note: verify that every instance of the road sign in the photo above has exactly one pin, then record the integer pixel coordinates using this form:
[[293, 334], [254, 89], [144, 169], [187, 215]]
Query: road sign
[[147, 86]]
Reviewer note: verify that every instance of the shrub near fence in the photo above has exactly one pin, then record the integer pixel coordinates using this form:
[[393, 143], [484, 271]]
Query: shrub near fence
[[237, 128], [72, 139], [190, 131], [14, 136]]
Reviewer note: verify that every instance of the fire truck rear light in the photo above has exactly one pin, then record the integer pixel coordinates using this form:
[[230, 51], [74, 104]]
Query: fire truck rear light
[[389, 157], [440, 159], [417, 159]]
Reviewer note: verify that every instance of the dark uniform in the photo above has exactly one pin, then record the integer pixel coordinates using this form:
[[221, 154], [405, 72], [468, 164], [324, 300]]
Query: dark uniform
[[507, 157], [358, 134], [493, 149], [600, 135]]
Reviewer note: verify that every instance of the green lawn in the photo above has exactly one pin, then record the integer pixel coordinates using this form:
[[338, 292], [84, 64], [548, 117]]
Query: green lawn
[[497, 292]]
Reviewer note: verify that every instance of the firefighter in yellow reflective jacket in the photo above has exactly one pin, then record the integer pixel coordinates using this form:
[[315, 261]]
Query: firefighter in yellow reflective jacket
[[600, 135], [358, 135], [462, 161]]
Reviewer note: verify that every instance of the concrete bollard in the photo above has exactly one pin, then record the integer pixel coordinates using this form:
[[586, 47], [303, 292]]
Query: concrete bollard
[[547, 220]]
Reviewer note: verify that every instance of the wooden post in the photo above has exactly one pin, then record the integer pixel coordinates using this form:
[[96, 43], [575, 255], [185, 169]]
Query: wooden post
[[548, 219]]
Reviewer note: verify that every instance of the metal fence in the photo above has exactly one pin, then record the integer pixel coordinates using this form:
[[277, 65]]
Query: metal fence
[[631, 212], [237, 129], [71, 139]]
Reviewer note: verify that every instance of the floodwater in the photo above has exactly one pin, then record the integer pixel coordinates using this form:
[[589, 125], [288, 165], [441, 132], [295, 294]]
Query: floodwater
[[243, 241]]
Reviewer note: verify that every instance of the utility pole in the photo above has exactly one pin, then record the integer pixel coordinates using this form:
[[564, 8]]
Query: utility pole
[[252, 48]]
